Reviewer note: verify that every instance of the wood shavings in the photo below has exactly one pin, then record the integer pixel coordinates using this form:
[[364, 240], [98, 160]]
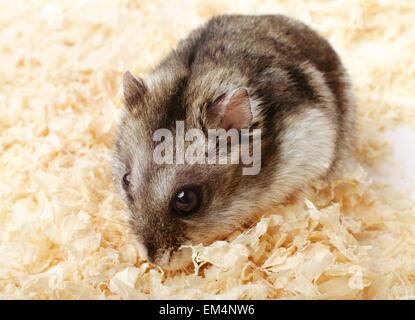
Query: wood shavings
[[63, 233]]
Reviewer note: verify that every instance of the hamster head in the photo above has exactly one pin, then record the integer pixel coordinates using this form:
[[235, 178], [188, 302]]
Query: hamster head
[[174, 204]]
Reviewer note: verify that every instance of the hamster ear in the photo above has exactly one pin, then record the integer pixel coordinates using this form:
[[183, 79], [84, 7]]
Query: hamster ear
[[231, 111], [132, 89]]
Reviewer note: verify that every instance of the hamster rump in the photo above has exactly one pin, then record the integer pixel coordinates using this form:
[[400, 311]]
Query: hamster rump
[[235, 72]]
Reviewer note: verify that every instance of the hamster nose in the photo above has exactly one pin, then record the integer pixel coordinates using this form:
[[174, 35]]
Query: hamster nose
[[151, 252], [156, 255]]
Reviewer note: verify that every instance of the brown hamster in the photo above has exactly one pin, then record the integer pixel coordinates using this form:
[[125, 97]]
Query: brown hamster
[[257, 72]]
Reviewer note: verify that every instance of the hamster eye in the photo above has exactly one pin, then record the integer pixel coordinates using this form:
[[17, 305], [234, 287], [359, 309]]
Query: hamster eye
[[187, 200], [126, 180]]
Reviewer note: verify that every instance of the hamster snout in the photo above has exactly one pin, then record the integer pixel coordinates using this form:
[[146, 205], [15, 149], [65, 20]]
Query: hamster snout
[[269, 78]]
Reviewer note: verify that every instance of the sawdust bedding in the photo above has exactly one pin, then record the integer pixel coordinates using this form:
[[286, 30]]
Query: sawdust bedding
[[62, 228]]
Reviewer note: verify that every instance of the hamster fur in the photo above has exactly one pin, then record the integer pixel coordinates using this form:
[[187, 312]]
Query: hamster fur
[[298, 94]]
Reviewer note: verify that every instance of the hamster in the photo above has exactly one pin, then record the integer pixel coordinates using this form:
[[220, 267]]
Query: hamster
[[266, 72]]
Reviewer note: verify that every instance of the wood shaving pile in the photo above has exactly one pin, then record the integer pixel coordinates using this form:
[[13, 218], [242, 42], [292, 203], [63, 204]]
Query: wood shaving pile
[[63, 233]]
